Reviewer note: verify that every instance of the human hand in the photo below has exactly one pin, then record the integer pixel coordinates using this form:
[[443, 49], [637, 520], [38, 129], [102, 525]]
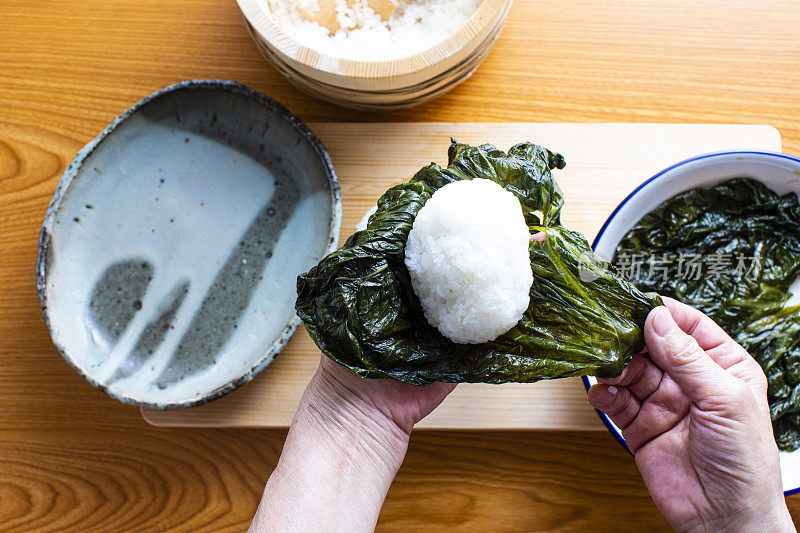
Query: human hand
[[386, 400], [346, 443], [387, 408], [693, 410]]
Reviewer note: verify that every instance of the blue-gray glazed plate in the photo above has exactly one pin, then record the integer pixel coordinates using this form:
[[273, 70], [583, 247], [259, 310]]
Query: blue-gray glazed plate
[[169, 254]]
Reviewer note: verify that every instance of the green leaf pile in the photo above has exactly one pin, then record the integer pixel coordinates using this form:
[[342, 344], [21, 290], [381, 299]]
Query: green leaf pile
[[753, 235], [359, 306]]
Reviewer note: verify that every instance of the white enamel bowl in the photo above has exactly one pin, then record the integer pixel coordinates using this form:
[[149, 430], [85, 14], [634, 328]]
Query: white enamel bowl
[[780, 172]]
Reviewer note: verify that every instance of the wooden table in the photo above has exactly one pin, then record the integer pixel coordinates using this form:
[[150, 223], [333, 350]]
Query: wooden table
[[73, 459]]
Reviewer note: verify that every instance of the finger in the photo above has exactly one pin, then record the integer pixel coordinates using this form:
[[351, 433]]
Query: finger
[[708, 334], [725, 351], [617, 402], [539, 237], [680, 356], [629, 373], [641, 377], [661, 412]]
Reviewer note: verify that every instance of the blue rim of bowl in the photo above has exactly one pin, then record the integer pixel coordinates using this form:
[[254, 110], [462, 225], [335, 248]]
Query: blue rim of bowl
[[71, 173], [607, 421]]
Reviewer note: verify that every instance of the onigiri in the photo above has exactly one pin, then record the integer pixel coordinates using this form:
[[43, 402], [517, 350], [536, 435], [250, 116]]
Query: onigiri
[[467, 255]]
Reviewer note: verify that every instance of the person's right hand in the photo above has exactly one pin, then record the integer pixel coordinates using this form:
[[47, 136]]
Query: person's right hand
[[694, 412]]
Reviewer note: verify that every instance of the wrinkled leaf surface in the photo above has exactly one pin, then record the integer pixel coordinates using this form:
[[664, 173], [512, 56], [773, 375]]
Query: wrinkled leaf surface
[[359, 306]]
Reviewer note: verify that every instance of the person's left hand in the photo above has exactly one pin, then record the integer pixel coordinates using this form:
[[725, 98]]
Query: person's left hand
[[382, 400], [346, 443]]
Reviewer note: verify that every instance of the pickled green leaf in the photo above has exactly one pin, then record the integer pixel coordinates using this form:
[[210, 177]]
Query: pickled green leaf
[[359, 306], [746, 239]]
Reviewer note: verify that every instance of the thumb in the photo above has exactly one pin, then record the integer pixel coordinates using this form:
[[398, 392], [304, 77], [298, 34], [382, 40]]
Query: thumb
[[679, 354]]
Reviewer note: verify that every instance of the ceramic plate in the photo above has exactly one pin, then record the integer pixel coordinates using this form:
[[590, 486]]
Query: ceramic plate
[[780, 172], [169, 253]]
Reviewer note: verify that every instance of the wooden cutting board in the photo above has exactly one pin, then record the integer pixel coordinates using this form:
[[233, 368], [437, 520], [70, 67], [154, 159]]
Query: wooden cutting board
[[605, 162]]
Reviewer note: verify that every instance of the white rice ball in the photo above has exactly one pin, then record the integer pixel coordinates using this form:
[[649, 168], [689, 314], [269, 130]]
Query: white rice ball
[[467, 254]]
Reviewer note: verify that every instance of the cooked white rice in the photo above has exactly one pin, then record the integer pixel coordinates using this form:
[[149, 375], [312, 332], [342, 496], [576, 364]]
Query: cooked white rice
[[416, 26], [362, 224], [467, 254]]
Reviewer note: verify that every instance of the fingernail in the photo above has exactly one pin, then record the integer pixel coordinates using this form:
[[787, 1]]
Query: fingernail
[[662, 321], [602, 396]]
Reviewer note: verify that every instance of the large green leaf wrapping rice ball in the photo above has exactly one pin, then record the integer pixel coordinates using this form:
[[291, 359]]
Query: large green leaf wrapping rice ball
[[360, 307]]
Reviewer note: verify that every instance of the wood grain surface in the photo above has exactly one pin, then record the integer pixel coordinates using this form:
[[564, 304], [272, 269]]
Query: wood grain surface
[[71, 459], [605, 162]]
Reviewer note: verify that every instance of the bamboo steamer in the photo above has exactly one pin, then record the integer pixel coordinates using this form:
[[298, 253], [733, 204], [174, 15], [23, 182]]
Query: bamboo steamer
[[384, 84]]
